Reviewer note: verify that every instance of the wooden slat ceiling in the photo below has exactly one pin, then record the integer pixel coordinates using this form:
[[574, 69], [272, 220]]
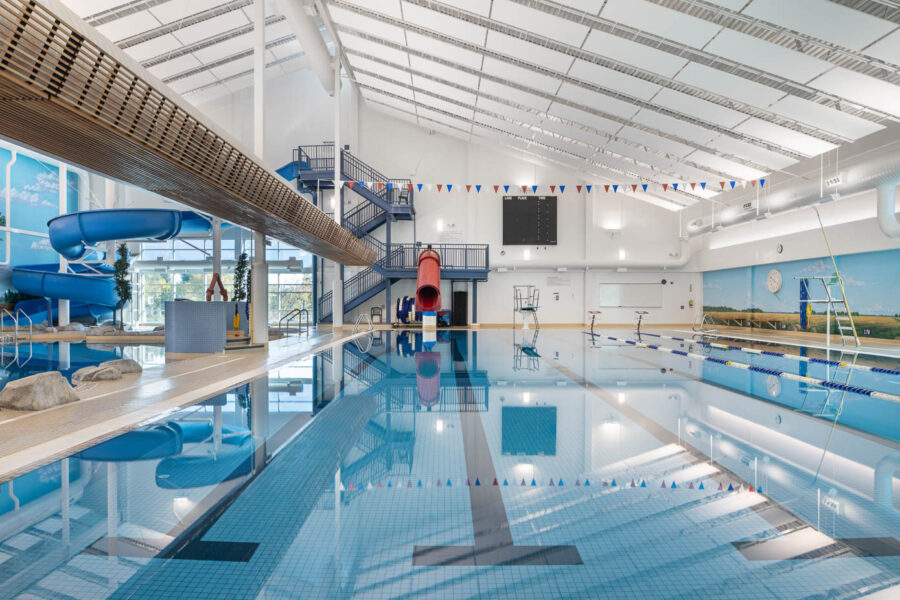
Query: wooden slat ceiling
[[68, 95]]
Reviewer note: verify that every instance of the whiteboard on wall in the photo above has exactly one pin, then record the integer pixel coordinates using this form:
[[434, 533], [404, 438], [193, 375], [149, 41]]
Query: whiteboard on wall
[[630, 295]]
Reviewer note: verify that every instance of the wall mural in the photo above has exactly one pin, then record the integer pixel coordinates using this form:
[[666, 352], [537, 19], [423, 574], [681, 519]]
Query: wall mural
[[768, 296]]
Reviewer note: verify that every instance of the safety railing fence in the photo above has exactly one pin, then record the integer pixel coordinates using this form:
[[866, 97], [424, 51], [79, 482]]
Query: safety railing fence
[[318, 157], [359, 217], [454, 257]]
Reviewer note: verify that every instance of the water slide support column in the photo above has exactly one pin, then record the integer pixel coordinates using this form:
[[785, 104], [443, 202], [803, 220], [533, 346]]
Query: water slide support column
[[110, 199], [217, 254], [63, 310], [337, 293], [260, 277]]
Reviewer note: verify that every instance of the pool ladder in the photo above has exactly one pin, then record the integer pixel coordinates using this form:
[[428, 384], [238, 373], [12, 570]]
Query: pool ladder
[[13, 338], [704, 324], [302, 324]]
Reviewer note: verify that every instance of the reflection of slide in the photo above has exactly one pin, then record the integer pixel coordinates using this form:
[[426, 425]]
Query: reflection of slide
[[93, 293]]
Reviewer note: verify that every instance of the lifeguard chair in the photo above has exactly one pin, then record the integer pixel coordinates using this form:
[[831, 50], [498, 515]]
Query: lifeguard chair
[[526, 301]]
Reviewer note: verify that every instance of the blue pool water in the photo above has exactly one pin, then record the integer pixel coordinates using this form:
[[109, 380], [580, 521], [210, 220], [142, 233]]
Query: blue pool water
[[495, 464]]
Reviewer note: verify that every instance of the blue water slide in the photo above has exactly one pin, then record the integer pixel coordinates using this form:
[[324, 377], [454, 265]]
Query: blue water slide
[[91, 288]]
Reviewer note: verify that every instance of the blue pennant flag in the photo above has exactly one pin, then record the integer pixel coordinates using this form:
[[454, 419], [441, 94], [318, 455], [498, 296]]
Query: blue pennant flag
[[534, 189], [762, 182], [449, 187], [478, 188], [732, 184], [505, 188], [562, 189], [675, 186], [420, 186], [702, 185], [588, 188], [615, 187], [644, 185], [390, 185]]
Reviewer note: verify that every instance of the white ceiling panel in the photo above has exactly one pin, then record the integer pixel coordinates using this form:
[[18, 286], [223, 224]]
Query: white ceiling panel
[[861, 88], [435, 21], [825, 20], [179, 9], [225, 48], [515, 95], [654, 141], [178, 65], [295, 64], [481, 7], [698, 108], [539, 22], [661, 21], [766, 57], [206, 29], [390, 111], [576, 115], [443, 50], [395, 102], [391, 55], [430, 85], [444, 72], [153, 48], [385, 7], [528, 52], [508, 111], [729, 86], [823, 117], [126, 27], [277, 30], [450, 107], [887, 49], [724, 165], [239, 83], [504, 125], [671, 125], [521, 75], [84, 8], [589, 6], [442, 118], [234, 67], [782, 136], [207, 94], [747, 151], [597, 101], [359, 62], [393, 88], [633, 53], [288, 49], [194, 81], [377, 27], [587, 137], [614, 80]]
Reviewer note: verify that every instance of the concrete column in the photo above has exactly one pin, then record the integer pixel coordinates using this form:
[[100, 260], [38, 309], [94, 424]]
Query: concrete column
[[260, 278], [337, 284], [63, 311], [110, 200], [217, 253], [259, 417]]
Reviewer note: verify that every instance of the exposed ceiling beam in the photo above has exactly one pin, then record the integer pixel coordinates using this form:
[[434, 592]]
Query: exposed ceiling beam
[[121, 11], [662, 81], [237, 76], [638, 103], [889, 10], [174, 26], [702, 57], [554, 98], [227, 59]]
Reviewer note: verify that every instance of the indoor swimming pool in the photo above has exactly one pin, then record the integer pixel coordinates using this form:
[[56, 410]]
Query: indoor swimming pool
[[490, 464]]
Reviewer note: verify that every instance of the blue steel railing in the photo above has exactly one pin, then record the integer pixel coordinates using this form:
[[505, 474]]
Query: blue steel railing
[[357, 219]]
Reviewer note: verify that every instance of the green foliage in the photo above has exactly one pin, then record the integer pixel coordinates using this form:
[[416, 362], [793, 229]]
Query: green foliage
[[122, 278], [240, 278], [13, 296]]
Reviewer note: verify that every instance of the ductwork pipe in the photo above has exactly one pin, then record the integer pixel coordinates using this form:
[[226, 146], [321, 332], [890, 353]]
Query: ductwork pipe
[[674, 262], [885, 471], [887, 215], [310, 38]]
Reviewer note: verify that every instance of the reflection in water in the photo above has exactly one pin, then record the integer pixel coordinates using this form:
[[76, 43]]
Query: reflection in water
[[414, 467]]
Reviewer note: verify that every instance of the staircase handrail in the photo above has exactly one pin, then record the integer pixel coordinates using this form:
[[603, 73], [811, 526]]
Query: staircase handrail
[[840, 280]]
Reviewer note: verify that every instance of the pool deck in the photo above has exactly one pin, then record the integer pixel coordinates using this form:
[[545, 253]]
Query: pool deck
[[31, 439]]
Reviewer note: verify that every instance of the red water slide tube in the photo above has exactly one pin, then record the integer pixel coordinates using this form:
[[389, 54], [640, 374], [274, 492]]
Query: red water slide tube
[[428, 281]]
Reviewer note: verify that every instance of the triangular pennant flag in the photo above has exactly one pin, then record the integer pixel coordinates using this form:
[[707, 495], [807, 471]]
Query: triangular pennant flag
[[730, 488], [468, 188], [663, 484], [469, 482], [505, 482], [390, 185], [534, 189], [633, 187], [673, 485], [341, 488], [478, 188], [665, 187], [389, 484], [523, 481], [644, 185], [506, 188], [732, 184], [477, 481], [753, 184], [560, 482], [720, 487], [409, 186], [606, 187], [605, 483], [578, 482], [430, 187], [588, 188], [420, 186], [449, 187], [449, 484], [409, 483], [675, 186], [496, 188], [762, 182], [379, 485], [524, 188], [439, 186], [722, 184], [552, 484], [380, 185], [633, 484], [741, 488], [643, 483], [702, 185], [361, 183], [419, 483], [495, 481], [562, 189], [752, 489], [552, 189], [690, 487], [439, 483], [614, 484], [351, 486], [759, 490], [533, 483], [700, 487], [370, 486], [578, 187], [587, 482], [693, 185], [615, 187], [350, 184]]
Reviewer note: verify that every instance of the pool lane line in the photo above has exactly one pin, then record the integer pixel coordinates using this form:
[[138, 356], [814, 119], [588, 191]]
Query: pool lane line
[[738, 365], [820, 361]]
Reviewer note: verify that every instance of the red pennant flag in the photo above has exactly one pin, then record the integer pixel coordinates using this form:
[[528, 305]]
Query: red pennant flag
[[468, 188], [665, 187], [578, 187], [722, 184], [350, 183], [606, 187], [753, 184], [524, 188], [409, 186], [496, 188], [380, 185], [552, 189], [693, 185], [439, 186], [633, 187]]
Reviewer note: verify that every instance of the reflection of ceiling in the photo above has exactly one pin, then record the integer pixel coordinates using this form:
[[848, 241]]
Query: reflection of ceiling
[[651, 90]]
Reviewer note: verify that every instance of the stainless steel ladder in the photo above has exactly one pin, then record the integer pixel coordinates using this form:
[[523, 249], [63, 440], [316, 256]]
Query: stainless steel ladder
[[835, 302]]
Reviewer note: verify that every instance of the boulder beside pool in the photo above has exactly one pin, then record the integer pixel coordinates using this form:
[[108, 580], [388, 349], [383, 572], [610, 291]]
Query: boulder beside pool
[[124, 365], [99, 373], [37, 392]]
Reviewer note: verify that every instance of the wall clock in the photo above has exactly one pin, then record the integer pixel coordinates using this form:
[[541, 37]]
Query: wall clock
[[773, 281]]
